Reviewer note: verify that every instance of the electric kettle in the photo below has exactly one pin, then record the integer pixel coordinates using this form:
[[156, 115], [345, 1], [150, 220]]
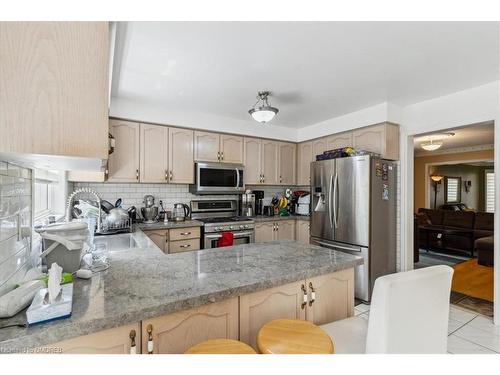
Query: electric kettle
[[181, 212]]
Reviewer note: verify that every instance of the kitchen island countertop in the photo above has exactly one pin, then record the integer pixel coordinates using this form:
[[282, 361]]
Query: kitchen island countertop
[[143, 282]]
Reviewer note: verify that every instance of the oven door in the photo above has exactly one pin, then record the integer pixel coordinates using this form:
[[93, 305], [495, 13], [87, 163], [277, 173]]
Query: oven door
[[218, 178], [211, 240]]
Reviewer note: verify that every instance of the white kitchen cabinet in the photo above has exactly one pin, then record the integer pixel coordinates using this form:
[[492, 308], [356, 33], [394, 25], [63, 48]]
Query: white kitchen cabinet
[[319, 146], [285, 230], [340, 140], [181, 158], [302, 231], [54, 89], [304, 159], [264, 232], [287, 163], [275, 230], [206, 146], [231, 149], [381, 139], [253, 161], [124, 162], [153, 153], [270, 162]]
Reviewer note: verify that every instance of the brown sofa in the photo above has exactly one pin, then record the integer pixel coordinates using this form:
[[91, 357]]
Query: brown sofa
[[484, 248], [453, 231]]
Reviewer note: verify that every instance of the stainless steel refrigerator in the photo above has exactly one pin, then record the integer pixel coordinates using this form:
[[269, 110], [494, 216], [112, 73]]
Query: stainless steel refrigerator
[[353, 209]]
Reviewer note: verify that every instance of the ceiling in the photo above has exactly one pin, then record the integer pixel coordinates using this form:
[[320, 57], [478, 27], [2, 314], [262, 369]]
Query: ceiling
[[471, 136], [315, 70]]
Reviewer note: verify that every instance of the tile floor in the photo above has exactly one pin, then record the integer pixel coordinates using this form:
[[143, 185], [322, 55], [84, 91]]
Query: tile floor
[[468, 332]]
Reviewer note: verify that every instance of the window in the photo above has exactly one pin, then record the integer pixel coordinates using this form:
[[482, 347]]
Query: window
[[49, 196], [490, 191], [452, 186]]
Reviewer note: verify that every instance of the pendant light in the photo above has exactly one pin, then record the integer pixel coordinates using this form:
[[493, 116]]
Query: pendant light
[[263, 113]]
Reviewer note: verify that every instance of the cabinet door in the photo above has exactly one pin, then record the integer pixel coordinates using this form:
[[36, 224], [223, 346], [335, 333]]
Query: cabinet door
[[206, 146], [231, 148], [370, 139], [319, 146], [339, 141], [256, 309], [334, 297], [54, 88], [264, 232], [302, 231], [110, 341], [304, 159], [287, 163], [286, 229], [177, 332], [252, 161], [154, 153], [159, 237], [181, 158], [270, 154], [123, 163]]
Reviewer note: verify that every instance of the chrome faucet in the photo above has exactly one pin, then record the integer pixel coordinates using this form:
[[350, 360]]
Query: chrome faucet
[[71, 198]]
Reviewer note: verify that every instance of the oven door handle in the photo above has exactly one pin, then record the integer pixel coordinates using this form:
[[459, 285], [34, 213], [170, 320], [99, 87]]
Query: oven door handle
[[237, 178], [236, 235]]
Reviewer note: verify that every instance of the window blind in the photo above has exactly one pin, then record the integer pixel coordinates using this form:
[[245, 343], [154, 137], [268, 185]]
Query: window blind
[[490, 191]]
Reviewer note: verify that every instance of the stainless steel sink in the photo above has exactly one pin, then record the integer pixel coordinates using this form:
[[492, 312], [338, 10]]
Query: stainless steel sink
[[115, 243]]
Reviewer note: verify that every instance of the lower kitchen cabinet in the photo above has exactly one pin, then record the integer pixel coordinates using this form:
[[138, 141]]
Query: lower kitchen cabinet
[[175, 240], [334, 297], [175, 333], [285, 230], [118, 340], [256, 309], [159, 237], [264, 232], [275, 230], [321, 300], [302, 231]]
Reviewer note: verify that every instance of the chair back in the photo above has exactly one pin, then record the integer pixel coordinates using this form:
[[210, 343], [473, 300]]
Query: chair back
[[409, 312]]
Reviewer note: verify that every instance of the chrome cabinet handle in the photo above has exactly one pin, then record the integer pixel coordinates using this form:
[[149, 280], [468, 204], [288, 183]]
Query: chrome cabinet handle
[[149, 330], [222, 156], [133, 347], [166, 175], [137, 174], [304, 297], [263, 178], [184, 246], [313, 294], [185, 233], [218, 155], [171, 176]]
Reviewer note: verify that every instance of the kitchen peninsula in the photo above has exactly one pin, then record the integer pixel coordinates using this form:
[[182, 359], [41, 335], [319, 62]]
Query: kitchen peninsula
[[148, 301]]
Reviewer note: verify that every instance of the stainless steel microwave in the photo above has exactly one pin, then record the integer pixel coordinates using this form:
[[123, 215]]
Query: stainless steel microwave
[[218, 178]]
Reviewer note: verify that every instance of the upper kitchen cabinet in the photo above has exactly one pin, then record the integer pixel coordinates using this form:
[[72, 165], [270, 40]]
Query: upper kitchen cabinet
[[318, 147], [206, 146], [123, 163], [215, 147], [253, 161], [287, 163], [54, 88], [270, 162], [304, 159], [181, 161], [340, 140], [153, 153], [231, 149], [382, 139]]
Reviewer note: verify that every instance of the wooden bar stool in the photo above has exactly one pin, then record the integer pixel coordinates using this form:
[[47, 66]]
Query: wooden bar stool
[[289, 336], [221, 346]]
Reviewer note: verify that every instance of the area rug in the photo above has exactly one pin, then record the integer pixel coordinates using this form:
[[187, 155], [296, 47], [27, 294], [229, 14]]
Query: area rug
[[473, 280]]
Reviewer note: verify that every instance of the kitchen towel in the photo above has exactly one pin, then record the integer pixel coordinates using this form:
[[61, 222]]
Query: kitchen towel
[[226, 239]]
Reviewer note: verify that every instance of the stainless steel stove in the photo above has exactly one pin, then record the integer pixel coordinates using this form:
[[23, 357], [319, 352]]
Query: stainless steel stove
[[219, 216]]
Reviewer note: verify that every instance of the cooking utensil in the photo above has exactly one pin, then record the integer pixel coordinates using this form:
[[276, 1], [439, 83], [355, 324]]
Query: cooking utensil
[[118, 202], [106, 206]]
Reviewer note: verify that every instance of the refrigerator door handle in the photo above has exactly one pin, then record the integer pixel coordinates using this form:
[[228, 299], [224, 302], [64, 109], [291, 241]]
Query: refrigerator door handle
[[335, 191], [332, 246], [330, 202]]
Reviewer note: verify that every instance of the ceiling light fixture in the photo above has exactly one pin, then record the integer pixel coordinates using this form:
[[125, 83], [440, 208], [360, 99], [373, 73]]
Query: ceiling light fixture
[[434, 141], [431, 145], [263, 113]]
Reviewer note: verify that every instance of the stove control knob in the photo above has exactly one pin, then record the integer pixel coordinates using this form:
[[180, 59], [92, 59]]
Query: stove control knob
[[246, 226], [231, 227], [217, 229], [242, 227]]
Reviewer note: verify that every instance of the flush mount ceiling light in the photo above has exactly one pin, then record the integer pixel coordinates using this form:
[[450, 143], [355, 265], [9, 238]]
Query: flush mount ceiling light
[[434, 141], [264, 112]]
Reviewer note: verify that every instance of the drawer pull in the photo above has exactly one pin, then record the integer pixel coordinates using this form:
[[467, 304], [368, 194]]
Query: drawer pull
[[184, 246], [133, 348], [313, 294], [185, 233], [304, 297], [149, 330]]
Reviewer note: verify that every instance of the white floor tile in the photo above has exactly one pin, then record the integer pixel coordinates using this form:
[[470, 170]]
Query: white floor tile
[[453, 325], [457, 345], [361, 308], [485, 324], [365, 315], [461, 315], [481, 337]]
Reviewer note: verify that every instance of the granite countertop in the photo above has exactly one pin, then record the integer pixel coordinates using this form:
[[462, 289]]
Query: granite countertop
[[169, 225], [143, 282], [260, 219]]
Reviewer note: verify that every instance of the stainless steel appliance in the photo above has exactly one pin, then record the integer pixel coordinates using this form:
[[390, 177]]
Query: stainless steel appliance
[[220, 216], [149, 211], [247, 204], [259, 206], [181, 212], [218, 178], [353, 210]]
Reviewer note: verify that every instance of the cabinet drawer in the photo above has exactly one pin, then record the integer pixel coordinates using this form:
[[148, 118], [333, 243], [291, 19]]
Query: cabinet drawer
[[184, 233], [186, 245]]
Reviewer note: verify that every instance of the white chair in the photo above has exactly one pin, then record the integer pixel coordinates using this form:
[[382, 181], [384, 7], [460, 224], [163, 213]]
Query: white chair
[[408, 314]]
